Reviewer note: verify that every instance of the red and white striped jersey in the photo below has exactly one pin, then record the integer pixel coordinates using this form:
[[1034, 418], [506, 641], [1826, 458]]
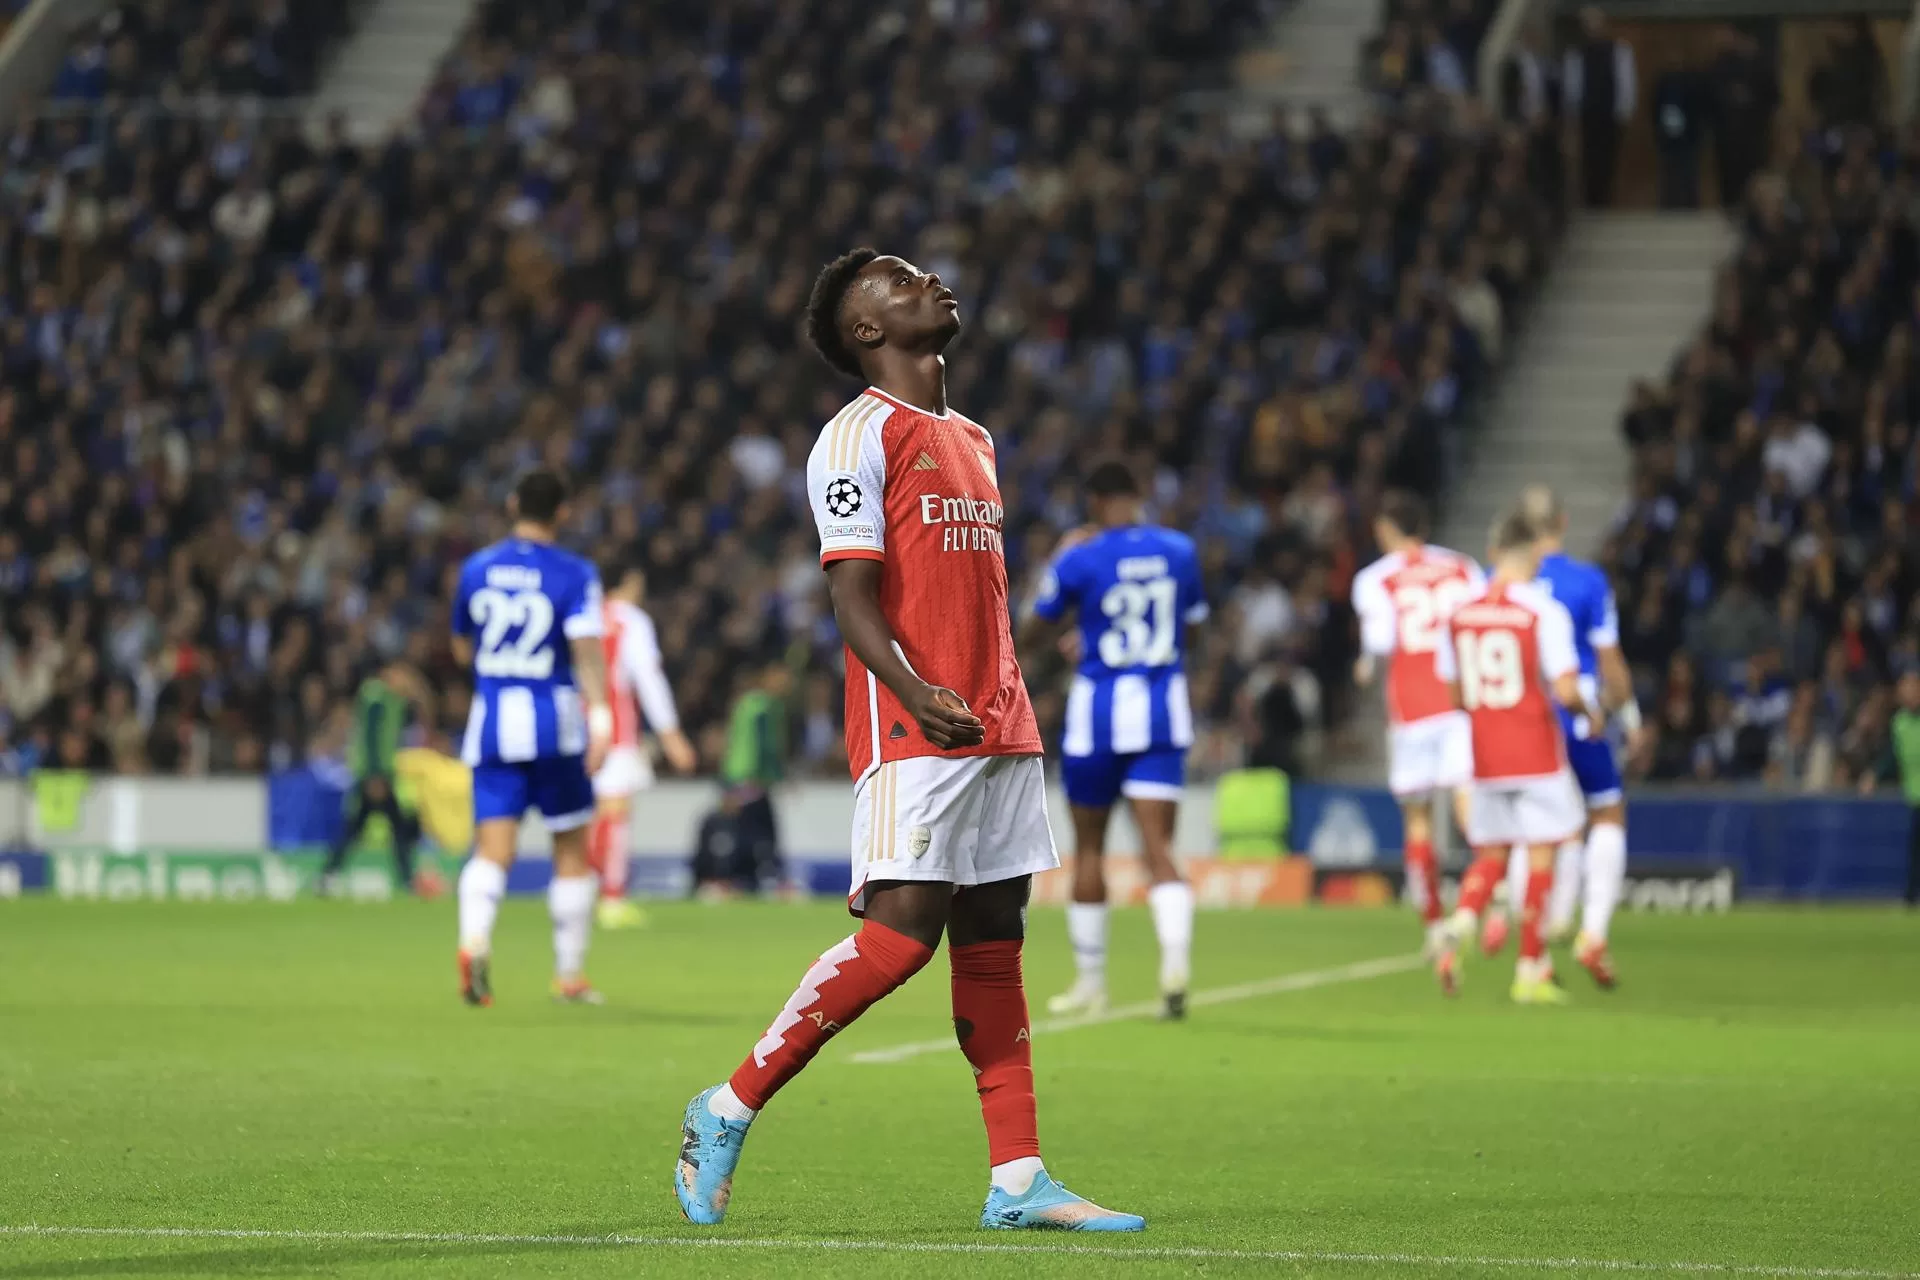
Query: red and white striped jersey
[[919, 492], [1404, 600], [636, 683], [1506, 647]]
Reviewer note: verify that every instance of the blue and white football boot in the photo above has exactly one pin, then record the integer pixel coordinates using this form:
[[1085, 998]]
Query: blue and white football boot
[[1048, 1206], [709, 1151]]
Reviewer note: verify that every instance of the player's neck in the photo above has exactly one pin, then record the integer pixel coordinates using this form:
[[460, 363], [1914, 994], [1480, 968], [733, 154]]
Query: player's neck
[[528, 531], [917, 380], [1550, 547]]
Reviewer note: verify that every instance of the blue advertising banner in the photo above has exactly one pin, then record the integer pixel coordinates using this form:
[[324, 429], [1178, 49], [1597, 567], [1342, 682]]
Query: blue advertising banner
[[1783, 847], [21, 870]]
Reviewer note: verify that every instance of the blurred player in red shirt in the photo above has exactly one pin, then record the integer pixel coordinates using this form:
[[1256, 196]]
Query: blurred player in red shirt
[[1404, 601], [1509, 655], [950, 809], [642, 702]]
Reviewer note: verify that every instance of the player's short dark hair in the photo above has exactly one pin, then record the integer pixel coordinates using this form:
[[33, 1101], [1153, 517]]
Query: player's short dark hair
[[1112, 479], [1404, 511], [823, 308], [1513, 531], [539, 494], [614, 571]]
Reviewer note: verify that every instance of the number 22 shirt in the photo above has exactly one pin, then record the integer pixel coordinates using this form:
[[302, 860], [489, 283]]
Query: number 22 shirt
[[1133, 591], [521, 603]]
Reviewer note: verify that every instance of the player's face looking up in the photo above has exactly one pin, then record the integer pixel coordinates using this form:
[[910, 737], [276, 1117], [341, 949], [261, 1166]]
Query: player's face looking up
[[894, 303]]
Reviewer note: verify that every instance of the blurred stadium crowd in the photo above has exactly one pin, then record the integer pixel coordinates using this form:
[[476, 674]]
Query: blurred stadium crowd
[[1767, 560], [263, 390]]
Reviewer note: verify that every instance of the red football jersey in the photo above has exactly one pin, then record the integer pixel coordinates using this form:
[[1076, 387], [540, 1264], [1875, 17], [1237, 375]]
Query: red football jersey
[[1505, 647], [635, 681], [1404, 601], [919, 492]]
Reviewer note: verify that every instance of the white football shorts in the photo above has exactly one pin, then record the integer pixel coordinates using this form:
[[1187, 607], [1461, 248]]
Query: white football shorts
[[1434, 754], [967, 821], [627, 772], [1538, 810]]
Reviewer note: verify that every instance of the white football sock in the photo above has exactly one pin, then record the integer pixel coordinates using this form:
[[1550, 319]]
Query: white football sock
[[1517, 880], [570, 903], [1567, 870], [1087, 930], [1015, 1177], [1606, 877], [1172, 906], [727, 1105], [482, 884]]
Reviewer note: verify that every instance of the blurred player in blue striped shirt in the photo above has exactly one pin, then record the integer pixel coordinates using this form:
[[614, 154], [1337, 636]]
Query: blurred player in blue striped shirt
[[527, 617], [1133, 589]]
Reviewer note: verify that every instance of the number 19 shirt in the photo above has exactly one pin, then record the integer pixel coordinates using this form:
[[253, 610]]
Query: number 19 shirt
[[520, 603], [1133, 590]]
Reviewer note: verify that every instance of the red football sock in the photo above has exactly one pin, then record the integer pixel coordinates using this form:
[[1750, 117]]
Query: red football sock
[[1532, 940], [841, 985], [990, 1018], [611, 835], [1476, 889], [597, 848], [1423, 877]]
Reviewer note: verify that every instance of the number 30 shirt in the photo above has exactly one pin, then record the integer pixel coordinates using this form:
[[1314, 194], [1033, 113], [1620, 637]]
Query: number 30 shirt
[[1133, 590], [1505, 648], [918, 492], [1404, 600], [520, 603]]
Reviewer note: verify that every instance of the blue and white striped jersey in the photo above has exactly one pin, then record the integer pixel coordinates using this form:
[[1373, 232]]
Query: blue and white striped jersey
[[520, 602], [1133, 590]]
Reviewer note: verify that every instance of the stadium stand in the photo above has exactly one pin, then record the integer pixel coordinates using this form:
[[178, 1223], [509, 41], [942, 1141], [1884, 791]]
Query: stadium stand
[[262, 391], [182, 51], [1767, 557]]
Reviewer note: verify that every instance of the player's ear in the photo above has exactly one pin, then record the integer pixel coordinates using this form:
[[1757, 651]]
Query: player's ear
[[866, 332]]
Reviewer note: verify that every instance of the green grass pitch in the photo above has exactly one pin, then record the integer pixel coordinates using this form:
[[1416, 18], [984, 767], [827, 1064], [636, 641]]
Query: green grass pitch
[[1749, 1100]]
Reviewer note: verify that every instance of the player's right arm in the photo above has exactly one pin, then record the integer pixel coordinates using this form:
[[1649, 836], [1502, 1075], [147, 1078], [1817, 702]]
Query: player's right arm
[[461, 623], [1616, 678], [1378, 628], [846, 485], [645, 672], [1560, 663]]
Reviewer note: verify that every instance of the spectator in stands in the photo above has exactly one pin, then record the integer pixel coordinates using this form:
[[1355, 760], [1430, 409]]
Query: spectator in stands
[[1745, 94], [1601, 91]]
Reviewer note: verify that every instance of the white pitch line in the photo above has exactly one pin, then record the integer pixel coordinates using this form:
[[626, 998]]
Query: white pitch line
[[1151, 1008], [1434, 1261]]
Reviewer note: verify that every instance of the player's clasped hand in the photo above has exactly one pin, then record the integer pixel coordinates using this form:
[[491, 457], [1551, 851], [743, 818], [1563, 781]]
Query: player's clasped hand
[[944, 718]]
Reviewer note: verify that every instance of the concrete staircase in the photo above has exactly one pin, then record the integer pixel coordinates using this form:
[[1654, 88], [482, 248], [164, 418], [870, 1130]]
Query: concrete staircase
[[1311, 57], [1622, 296], [379, 74]]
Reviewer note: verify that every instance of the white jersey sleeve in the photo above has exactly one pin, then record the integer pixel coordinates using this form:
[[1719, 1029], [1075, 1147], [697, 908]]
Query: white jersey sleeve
[[1378, 626], [1555, 637], [1445, 665], [1605, 632], [640, 662], [847, 483]]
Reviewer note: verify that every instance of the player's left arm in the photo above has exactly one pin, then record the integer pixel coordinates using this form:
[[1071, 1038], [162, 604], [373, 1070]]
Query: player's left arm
[[583, 626], [1378, 626], [1616, 678]]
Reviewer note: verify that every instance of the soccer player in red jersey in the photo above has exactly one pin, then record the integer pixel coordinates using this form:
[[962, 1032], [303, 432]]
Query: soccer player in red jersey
[[1509, 655], [636, 687], [950, 815], [1404, 601]]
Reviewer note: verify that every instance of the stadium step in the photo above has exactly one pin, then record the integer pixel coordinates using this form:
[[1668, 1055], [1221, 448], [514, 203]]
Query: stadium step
[[388, 62], [1312, 58]]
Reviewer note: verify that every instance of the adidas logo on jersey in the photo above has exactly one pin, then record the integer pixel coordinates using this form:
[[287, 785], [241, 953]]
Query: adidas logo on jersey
[[925, 462]]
